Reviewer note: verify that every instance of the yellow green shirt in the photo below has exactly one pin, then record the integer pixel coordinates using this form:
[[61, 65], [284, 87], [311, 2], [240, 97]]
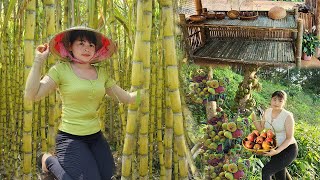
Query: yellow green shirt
[[80, 98]]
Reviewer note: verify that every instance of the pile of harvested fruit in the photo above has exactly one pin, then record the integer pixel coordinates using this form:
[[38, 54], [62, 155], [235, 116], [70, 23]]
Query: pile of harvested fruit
[[260, 142]]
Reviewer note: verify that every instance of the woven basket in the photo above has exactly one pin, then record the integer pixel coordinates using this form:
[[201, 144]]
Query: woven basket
[[233, 14], [248, 15], [261, 151]]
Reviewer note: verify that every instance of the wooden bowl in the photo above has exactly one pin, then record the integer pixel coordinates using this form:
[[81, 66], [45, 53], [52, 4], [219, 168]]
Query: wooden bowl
[[220, 15], [210, 15], [233, 14], [197, 18], [248, 15]]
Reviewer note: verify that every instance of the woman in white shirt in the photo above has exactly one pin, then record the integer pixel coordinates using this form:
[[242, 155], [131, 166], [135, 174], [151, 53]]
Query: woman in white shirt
[[287, 148]]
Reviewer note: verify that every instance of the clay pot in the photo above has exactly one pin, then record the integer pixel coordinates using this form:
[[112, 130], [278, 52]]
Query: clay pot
[[306, 57]]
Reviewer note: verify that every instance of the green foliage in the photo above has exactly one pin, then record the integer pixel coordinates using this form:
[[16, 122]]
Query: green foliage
[[232, 86], [256, 166], [309, 43], [307, 164], [303, 101]]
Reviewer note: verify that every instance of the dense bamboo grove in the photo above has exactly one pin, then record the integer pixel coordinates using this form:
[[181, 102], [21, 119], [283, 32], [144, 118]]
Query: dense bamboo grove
[[147, 138]]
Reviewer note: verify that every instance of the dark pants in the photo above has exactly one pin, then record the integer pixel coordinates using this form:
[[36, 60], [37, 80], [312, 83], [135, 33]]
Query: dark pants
[[81, 158], [278, 163]]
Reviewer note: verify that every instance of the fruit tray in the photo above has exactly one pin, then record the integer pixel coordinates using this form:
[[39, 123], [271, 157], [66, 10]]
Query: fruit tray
[[257, 151], [260, 142]]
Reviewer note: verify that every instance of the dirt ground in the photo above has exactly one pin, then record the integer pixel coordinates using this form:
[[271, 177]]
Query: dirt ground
[[313, 63]]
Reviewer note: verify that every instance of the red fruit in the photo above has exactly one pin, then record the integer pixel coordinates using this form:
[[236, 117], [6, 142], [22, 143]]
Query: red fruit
[[238, 175], [249, 144], [266, 145], [219, 89], [256, 132], [257, 147], [219, 148], [219, 109], [259, 139], [251, 137], [264, 134], [237, 133], [269, 140], [270, 134]]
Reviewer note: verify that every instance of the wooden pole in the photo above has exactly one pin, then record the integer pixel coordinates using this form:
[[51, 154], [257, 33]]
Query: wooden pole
[[317, 17], [211, 106], [185, 33], [211, 109], [198, 6], [299, 43], [308, 3]]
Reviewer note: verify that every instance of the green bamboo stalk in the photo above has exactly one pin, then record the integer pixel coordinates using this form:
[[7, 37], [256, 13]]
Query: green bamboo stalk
[[168, 137], [144, 122], [160, 106], [15, 94], [117, 76], [28, 57], [136, 83], [92, 14], [20, 83], [50, 26], [7, 119], [153, 88], [66, 14], [172, 80]]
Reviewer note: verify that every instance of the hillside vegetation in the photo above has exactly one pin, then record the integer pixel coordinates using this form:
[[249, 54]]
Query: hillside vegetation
[[303, 102]]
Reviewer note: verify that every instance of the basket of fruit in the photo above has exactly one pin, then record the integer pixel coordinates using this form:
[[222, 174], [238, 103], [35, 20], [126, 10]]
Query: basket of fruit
[[260, 142]]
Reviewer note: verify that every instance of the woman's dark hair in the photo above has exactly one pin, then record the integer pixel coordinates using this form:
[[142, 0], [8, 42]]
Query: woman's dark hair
[[280, 94], [88, 35]]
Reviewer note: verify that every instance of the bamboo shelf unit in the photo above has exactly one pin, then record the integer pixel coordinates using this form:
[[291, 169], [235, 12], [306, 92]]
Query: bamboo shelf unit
[[263, 41]]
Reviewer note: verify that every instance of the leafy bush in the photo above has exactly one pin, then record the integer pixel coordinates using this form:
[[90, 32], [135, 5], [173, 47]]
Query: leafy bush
[[309, 43], [307, 163]]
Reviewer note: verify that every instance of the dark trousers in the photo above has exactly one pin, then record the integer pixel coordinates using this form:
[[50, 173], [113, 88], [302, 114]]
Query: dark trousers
[[278, 163], [81, 158]]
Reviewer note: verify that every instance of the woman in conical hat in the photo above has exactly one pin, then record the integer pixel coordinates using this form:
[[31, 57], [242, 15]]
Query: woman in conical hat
[[81, 150]]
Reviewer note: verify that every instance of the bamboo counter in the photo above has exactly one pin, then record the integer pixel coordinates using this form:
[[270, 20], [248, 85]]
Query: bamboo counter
[[263, 41]]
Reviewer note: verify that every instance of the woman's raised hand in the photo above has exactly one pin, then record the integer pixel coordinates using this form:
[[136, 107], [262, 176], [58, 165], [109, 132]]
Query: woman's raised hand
[[42, 52]]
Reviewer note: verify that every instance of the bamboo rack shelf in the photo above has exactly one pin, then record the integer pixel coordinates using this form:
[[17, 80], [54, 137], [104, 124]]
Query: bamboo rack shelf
[[262, 41]]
